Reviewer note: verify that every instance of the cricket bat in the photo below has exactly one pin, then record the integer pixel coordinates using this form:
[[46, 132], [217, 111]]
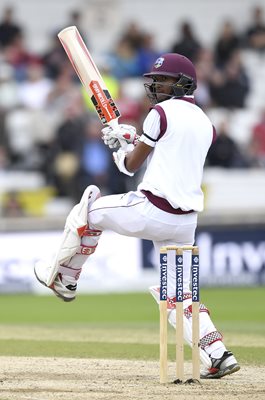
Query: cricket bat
[[89, 76]]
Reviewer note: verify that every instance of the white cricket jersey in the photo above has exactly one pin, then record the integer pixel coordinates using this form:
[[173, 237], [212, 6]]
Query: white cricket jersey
[[181, 135]]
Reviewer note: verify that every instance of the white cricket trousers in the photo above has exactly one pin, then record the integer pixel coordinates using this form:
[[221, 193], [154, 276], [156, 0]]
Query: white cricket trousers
[[132, 214]]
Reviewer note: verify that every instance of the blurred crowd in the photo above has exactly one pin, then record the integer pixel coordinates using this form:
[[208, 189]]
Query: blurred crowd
[[48, 125]]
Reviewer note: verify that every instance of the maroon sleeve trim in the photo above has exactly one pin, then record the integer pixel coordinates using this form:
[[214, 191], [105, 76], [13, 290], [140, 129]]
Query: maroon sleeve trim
[[163, 120], [214, 135]]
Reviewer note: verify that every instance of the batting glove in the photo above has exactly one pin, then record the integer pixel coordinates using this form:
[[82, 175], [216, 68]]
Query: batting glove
[[114, 137], [119, 158]]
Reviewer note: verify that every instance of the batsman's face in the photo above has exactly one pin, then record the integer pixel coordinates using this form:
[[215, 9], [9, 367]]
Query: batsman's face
[[161, 88]]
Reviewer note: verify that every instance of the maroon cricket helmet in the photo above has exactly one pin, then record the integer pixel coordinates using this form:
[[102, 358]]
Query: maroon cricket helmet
[[173, 64]]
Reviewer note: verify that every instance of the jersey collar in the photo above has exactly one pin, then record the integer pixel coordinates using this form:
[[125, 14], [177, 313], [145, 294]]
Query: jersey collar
[[189, 99]]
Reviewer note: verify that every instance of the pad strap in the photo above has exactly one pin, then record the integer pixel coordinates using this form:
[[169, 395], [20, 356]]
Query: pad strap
[[86, 250], [73, 267], [86, 231], [188, 310], [91, 232], [171, 301]]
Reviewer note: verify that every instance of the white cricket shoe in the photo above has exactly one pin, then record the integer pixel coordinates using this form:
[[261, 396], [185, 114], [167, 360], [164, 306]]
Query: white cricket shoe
[[220, 367], [63, 288]]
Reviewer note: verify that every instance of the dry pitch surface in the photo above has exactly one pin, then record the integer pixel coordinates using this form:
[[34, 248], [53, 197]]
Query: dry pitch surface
[[35, 378]]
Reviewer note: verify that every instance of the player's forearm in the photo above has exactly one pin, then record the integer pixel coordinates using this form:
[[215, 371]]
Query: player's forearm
[[135, 159], [132, 163]]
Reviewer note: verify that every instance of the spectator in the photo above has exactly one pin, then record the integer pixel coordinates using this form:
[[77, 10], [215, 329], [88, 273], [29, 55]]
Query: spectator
[[4, 160], [187, 45], [204, 69], [8, 101], [8, 88], [229, 87], [18, 56], [255, 34], [63, 90], [147, 53], [129, 109], [124, 61], [20, 132], [9, 30], [257, 145], [28, 126], [75, 18], [134, 36], [63, 159], [128, 105], [12, 205], [34, 91], [95, 158], [227, 42], [54, 58], [225, 152]]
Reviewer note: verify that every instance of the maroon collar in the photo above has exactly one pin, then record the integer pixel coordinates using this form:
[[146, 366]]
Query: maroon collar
[[188, 99]]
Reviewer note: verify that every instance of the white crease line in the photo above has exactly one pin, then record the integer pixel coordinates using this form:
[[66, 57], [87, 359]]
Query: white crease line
[[31, 398]]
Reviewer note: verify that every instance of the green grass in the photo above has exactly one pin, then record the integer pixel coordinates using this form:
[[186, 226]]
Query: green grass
[[134, 351], [123, 326], [94, 308]]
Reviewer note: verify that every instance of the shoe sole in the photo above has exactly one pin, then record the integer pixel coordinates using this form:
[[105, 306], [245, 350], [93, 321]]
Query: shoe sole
[[66, 299], [230, 370]]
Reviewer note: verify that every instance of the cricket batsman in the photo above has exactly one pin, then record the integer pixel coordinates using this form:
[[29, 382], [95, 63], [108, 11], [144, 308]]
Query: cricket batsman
[[175, 139]]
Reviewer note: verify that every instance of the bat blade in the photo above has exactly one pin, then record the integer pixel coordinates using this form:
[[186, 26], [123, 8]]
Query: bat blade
[[89, 75]]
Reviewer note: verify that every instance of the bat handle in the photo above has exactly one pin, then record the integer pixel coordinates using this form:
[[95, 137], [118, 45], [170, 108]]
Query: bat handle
[[114, 124]]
